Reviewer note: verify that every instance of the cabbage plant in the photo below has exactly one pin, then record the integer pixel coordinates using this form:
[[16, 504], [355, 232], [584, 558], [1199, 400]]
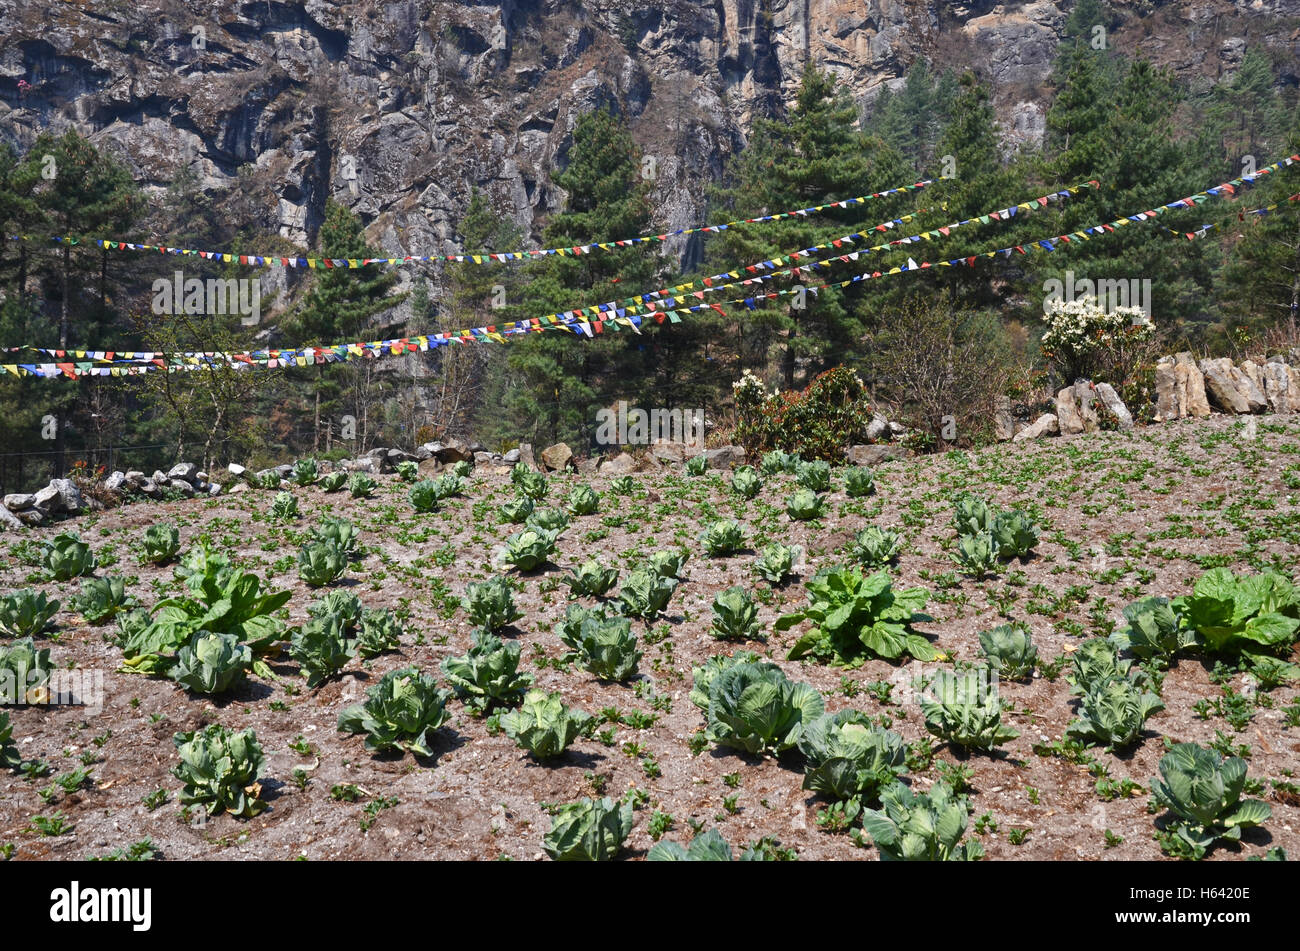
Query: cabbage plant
[[321, 563], [591, 579], [746, 483], [607, 648], [491, 604], [735, 615], [776, 561], [407, 470], [67, 556], [964, 708], [322, 647], [708, 846], [361, 485], [645, 594], [487, 675], [27, 669], [161, 543], [337, 531], [589, 830], [305, 472], [211, 663], [10, 758], [697, 465], [805, 505], [669, 563], [847, 755], [1010, 650], [220, 770], [859, 481], [977, 554], [856, 617], [756, 709], [876, 547], [285, 507], [547, 520], [102, 599], [814, 475], [1113, 710], [1016, 534], [544, 726], [1153, 629], [26, 613], [776, 461], [379, 633], [529, 483], [1201, 792], [402, 712], [333, 481], [921, 827], [424, 496], [517, 509], [583, 500], [723, 537], [569, 627], [530, 548], [971, 516], [702, 677]]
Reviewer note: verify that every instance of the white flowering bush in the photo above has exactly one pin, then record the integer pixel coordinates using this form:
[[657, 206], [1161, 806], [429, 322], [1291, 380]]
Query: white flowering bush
[[1083, 339]]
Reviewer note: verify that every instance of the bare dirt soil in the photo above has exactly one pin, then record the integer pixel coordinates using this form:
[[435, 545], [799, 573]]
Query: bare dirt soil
[[1124, 516]]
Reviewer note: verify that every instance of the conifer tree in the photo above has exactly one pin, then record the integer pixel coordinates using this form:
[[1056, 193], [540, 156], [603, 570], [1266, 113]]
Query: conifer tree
[[816, 155], [339, 308], [559, 380]]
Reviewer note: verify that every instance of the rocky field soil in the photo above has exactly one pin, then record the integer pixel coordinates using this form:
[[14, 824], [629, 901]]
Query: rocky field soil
[[1122, 515]]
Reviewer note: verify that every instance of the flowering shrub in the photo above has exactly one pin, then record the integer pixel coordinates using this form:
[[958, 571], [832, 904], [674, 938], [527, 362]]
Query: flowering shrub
[[1082, 340], [817, 423]]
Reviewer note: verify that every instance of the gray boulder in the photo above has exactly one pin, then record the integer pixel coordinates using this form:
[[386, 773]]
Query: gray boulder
[[622, 464], [1108, 398], [526, 455], [556, 457], [60, 496], [1045, 425], [1068, 419], [724, 457], [511, 457], [453, 451], [184, 470], [1004, 424], [19, 501], [669, 451], [878, 428], [9, 522], [116, 481], [181, 486]]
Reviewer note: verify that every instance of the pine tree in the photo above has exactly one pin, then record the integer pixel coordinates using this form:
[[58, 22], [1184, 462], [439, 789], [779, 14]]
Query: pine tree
[[1261, 283], [559, 380], [80, 195], [340, 308], [468, 380], [817, 155]]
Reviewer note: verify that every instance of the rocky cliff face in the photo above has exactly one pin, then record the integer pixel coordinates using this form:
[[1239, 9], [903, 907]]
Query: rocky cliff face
[[398, 107]]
